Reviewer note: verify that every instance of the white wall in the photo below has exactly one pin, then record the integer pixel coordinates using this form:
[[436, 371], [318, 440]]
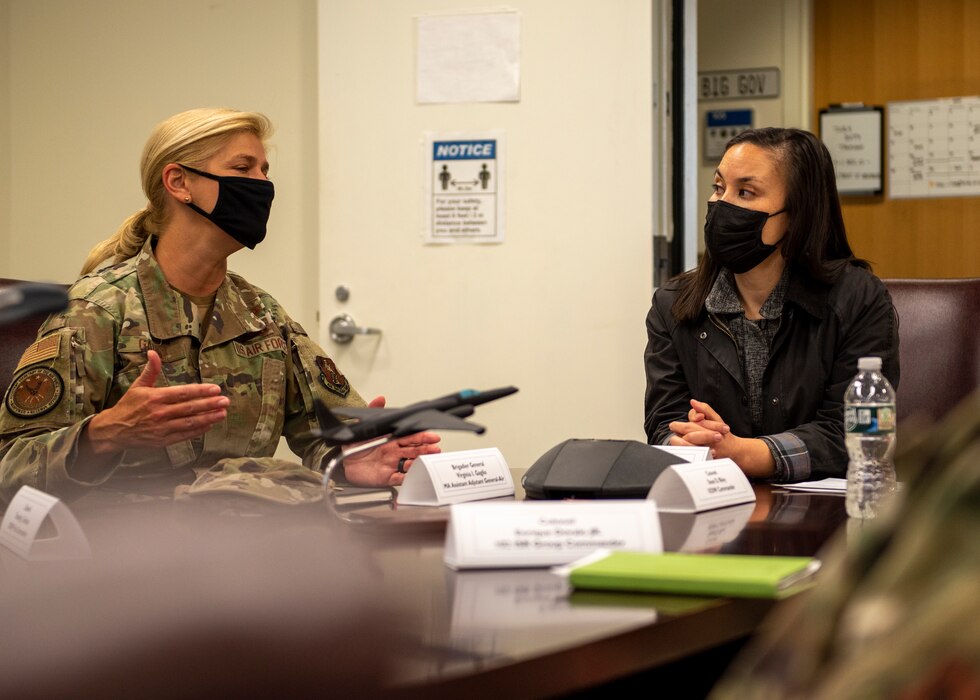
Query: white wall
[[4, 134], [755, 34], [88, 81]]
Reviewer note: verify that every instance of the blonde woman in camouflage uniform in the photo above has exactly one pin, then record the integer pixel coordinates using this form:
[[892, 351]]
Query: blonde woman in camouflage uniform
[[165, 362]]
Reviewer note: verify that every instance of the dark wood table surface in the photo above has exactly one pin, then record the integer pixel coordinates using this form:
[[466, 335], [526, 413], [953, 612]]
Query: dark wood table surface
[[524, 632], [386, 615]]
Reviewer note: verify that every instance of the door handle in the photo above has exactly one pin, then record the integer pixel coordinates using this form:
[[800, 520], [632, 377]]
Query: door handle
[[343, 329]]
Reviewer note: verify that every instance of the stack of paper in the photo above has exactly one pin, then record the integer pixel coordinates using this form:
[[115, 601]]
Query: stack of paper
[[829, 485]]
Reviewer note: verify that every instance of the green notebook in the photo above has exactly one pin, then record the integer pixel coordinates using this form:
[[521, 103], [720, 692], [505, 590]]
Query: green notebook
[[732, 575]]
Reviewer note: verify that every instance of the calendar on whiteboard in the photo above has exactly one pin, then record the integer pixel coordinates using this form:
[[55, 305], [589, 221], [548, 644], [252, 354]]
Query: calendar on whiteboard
[[934, 148]]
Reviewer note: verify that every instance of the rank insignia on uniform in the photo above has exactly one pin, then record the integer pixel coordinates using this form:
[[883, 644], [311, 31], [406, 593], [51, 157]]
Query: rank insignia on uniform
[[35, 392], [331, 377]]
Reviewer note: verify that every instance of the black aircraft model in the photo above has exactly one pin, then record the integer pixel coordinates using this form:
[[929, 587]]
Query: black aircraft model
[[444, 413]]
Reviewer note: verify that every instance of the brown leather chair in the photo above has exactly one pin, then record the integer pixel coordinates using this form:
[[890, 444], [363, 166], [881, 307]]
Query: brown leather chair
[[939, 343], [14, 338]]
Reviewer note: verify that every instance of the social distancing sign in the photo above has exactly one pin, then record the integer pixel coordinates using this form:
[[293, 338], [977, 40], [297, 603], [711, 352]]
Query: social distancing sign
[[464, 188]]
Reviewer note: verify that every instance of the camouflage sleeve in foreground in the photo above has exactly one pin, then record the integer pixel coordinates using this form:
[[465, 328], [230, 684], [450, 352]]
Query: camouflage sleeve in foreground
[[895, 612], [60, 382], [311, 376]]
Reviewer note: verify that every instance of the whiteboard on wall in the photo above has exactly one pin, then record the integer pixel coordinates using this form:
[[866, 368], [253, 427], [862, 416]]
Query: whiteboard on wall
[[934, 148], [853, 137]]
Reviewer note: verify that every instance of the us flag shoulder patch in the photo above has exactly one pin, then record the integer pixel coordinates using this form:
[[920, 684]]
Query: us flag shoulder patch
[[43, 349]]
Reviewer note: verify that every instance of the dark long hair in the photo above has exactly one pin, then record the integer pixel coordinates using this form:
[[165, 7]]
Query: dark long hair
[[815, 244]]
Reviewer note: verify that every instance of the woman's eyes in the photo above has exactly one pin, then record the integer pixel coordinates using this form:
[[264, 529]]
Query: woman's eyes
[[719, 190]]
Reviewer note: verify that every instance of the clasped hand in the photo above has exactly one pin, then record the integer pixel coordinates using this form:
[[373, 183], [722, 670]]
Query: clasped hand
[[704, 427]]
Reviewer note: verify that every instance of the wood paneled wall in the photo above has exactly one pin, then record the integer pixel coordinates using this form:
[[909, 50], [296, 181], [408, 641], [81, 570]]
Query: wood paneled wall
[[876, 51]]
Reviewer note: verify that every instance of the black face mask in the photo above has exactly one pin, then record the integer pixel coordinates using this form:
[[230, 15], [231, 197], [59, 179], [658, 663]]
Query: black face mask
[[733, 236], [242, 209]]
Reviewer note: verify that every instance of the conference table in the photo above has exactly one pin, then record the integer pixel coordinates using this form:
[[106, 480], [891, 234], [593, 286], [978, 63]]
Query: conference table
[[524, 633], [414, 627]]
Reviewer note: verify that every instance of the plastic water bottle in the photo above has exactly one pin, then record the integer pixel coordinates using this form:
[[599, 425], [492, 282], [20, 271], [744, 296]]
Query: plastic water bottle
[[869, 426]]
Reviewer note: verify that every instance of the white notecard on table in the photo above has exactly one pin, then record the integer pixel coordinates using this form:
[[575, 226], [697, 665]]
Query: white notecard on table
[[525, 534], [22, 522], [456, 477], [700, 486]]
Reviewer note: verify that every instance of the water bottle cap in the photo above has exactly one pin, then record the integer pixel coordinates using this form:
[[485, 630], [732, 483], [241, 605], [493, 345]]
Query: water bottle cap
[[872, 363]]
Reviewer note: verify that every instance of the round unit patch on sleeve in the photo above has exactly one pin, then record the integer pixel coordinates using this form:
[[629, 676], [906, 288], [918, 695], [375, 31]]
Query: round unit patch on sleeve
[[331, 377], [35, 392]]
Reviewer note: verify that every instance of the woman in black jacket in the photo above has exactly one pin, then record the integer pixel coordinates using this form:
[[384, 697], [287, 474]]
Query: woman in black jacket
[[750, 352]]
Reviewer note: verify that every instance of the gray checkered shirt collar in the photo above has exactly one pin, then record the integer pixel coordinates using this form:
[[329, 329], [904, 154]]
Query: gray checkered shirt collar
[[723, 299]]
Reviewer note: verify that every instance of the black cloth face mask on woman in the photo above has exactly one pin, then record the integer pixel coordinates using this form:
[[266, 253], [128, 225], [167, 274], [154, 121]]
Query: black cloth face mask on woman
[[733, 236], [243, 206]]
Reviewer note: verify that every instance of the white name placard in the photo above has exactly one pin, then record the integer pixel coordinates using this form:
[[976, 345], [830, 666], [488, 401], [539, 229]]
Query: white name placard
[[22, 522], [690, 453], [695, 487], [456, 477], [523, 534]]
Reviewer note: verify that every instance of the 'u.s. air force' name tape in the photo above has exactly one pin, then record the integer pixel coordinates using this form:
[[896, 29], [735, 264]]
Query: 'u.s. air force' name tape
[[247, 350], [464, 150]]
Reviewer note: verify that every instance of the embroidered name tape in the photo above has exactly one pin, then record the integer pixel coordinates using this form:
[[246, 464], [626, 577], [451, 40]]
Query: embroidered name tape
[[260, 347]]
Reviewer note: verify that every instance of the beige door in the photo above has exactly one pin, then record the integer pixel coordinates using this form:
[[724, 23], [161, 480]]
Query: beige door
[[558, 308]]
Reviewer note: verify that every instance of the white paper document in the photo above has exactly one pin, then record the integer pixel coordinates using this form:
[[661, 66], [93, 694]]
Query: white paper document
[[829, 485], [469, 58]]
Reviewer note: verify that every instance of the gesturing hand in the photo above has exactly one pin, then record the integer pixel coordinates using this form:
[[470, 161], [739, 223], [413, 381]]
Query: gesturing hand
[[151, 416], [386, 464]]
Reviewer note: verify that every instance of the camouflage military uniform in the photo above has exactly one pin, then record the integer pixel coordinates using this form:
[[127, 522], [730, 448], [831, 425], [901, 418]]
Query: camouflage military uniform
[[895, 614], [89, 355]]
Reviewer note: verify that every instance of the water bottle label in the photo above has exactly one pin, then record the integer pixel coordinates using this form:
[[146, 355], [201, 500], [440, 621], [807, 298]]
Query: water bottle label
[[869, 419]]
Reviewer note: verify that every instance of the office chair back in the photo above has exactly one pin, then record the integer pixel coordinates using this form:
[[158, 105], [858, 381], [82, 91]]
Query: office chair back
[[14, 339], [939, 339]]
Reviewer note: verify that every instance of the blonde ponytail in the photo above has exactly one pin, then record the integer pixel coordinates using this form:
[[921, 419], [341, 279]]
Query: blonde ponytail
[[191, 138], [126, 242]]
